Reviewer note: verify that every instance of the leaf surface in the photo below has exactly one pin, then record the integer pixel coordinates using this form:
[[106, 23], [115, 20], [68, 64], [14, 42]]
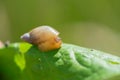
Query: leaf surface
[[70, 62]]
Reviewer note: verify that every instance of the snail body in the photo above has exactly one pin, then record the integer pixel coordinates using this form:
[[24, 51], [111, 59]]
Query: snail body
[[45, 37]]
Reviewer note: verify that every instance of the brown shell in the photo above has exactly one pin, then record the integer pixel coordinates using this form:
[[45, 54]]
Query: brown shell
[[45, 37]]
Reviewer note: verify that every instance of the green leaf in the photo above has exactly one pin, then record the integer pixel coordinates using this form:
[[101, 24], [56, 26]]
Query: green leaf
[[12, 61], [19, 57], [8, 68], [70, 62]]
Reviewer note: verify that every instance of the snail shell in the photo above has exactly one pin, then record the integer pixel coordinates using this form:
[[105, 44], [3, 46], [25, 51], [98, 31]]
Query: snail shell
[[45, 37]]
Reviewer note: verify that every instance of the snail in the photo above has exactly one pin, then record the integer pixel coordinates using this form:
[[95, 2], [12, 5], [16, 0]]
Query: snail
[[45, 37]]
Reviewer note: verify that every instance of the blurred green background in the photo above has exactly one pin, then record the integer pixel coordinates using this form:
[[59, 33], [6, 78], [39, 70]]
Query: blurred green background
[[88, 23]]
